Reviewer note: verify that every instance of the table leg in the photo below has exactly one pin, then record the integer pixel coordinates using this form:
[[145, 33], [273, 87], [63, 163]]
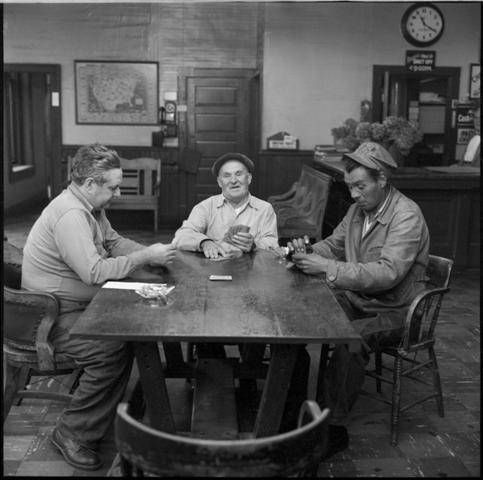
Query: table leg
[[153, 382], [275, 390], [321, 393]]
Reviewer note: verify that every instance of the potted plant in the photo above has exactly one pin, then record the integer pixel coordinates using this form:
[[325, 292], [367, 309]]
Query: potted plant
[[345, 136], [396, 134]]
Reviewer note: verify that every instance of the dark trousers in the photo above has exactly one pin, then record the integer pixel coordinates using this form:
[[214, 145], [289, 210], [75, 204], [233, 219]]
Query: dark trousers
[[106, 369], [345, 372]]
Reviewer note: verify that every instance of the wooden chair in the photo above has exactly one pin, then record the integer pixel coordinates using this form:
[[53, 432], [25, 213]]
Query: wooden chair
[[140, 185], [145, 450], [28, 320], [301, 209], [418, 337]]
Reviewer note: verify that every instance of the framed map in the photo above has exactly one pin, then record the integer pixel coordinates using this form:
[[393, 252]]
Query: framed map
[[116, 93]]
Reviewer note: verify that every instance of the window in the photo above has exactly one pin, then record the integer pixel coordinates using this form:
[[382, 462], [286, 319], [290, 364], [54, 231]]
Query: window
[[18, 124]]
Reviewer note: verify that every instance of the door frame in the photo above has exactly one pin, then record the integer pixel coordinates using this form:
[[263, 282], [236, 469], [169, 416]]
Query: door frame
[[54, 134], [453, 75]]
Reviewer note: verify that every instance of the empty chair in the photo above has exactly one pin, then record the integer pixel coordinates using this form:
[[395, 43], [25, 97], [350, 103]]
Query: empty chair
[[301, 209], [145, 450], [28, 320], [140, 186], [418, 337]]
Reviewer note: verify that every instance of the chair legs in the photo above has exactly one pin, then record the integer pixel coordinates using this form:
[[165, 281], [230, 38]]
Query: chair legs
[[378, 368], [24, 380], [321, 394], [396, 399], [436, 381], [15, 378]]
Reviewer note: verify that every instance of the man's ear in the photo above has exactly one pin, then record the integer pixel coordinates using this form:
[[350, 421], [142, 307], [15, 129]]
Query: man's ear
[[382, 179], [218, 181], [249, 178], [88, 183]]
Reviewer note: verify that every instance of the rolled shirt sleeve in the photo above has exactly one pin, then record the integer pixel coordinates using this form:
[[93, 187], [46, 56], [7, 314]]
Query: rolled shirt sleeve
[[75, 242], [192, 231]]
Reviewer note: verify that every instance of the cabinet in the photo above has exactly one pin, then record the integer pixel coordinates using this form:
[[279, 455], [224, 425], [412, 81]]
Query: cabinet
[[423, 97]]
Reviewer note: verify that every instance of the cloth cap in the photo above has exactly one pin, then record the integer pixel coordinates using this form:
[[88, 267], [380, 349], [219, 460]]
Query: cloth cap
[[226, 157], [372, 155]]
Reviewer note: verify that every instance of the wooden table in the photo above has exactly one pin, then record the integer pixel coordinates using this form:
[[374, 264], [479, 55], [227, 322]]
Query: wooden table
[[264, 303]]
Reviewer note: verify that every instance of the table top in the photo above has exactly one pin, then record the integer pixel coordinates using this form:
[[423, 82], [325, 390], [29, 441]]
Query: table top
[[264, 302]]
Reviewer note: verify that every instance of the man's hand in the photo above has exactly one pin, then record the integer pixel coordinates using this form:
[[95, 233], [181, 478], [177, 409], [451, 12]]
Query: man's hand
[[160, 254], [212, 249], [310, 263], [243, 240]]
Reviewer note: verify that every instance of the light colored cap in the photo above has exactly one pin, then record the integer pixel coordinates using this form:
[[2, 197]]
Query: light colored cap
[[372, 155]]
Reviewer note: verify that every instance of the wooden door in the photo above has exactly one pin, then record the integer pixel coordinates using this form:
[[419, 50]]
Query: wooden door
[[424, 96], [32, 133], [221, 116]]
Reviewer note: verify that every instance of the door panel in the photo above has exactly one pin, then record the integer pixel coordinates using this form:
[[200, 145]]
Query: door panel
[[217, 122], [32, 133]]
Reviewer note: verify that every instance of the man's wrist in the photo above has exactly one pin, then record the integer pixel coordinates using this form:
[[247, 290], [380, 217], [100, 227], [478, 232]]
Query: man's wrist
[[200, 246]]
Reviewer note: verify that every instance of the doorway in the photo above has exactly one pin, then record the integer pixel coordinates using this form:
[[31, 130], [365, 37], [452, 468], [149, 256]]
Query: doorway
[[32, 134], [222, 115], [424, 97]]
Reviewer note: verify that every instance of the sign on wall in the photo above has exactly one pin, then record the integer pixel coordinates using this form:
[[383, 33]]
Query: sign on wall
[[420, 60]]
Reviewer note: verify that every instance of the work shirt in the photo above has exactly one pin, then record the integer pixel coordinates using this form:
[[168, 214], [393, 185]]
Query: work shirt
[[211, 219], [384, 269], [72, 249]]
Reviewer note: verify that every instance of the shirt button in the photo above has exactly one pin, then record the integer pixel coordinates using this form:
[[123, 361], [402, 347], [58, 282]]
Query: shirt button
[[331, 277]]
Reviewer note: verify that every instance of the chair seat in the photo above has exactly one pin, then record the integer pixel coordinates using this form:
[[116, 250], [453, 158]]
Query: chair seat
[[16, 355]]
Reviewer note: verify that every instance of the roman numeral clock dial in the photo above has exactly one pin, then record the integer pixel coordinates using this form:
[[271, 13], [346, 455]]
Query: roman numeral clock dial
[[422, 24]]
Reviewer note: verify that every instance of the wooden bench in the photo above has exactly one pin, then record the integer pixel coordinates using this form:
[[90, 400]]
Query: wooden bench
[[214, 413], [301, 209], [140, 185]]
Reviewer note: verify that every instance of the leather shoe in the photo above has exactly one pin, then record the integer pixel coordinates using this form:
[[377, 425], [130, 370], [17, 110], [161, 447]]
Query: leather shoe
[[74, 453], [338, 440]]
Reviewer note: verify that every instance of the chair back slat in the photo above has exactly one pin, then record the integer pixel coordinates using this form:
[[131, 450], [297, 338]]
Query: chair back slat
[[438, 271], [424, 311], [304, 213], [164, 454]]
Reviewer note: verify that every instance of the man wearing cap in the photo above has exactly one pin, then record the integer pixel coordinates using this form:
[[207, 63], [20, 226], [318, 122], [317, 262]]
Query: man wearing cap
[[206, 228], [376, 260]]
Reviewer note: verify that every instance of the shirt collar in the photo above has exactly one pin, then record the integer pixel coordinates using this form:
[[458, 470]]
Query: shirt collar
[[222, 200], [75, 190]]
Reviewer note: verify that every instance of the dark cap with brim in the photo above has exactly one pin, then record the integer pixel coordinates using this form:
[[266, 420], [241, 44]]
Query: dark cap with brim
[[226, 157], [372, 155]]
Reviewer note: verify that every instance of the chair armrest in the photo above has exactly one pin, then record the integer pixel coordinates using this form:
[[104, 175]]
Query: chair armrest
[[412, 316], [284, 196], [48, 311]]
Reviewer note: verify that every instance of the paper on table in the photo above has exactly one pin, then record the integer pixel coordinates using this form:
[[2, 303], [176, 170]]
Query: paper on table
[[130, 285]]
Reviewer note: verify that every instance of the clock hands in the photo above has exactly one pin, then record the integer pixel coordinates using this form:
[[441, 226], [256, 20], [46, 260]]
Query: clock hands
[[425, 24]]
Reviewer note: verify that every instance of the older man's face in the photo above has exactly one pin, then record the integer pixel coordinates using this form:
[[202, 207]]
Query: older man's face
[[234, 180], [101, 195], [367, 192]]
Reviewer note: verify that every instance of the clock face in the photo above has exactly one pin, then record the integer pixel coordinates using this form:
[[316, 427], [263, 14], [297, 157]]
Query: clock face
[[170, 107], [422, 24]]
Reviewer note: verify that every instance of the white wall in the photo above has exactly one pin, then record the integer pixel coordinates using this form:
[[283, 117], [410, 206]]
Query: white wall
[[175, 34], [318, 59]]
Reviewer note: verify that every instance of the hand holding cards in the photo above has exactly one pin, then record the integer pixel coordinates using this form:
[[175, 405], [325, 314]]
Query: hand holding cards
[[239, 236]]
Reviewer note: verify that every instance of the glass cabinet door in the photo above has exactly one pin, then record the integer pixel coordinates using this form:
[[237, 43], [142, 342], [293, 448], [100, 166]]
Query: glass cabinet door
[[424, 97]]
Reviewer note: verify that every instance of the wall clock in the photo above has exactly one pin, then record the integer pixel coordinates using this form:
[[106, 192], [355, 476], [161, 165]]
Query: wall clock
[[422, 24]]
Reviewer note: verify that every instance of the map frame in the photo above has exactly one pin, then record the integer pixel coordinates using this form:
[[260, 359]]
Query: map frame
[[113, 82]]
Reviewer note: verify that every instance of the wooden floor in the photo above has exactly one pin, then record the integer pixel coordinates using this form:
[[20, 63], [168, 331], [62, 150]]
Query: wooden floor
[[429, 446]]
